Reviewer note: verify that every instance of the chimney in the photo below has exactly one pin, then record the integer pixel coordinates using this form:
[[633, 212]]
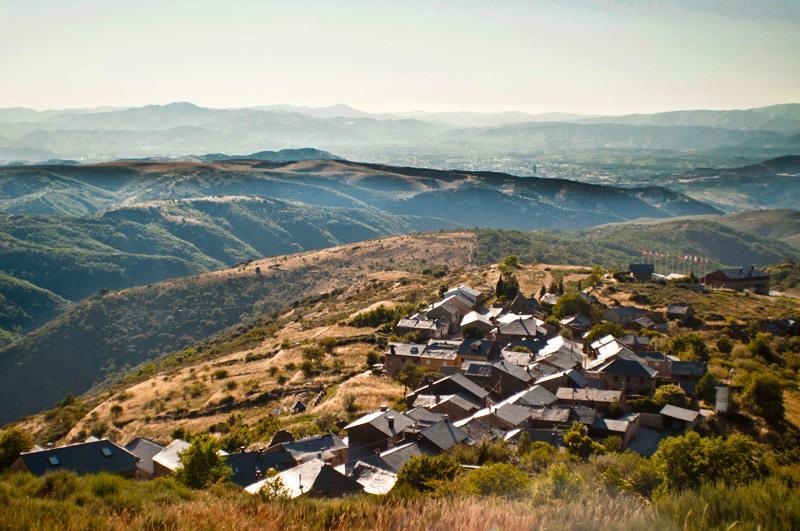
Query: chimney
[[476, 346], [741, 270], [438, 399], [384, 407], [390, 421], [391, 350]]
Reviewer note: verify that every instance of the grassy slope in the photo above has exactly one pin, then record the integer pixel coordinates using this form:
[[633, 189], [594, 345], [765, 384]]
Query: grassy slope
[[24, 306], [104, 334], [616, 245]]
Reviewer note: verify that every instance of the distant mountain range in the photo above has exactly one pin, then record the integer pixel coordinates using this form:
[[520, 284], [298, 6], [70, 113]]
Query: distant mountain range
[[178, 129]]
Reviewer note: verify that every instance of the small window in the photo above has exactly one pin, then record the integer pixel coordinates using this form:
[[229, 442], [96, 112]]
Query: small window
[[106, 451], [53, 460]]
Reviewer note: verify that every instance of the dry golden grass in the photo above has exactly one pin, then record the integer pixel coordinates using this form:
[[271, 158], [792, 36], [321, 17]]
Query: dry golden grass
[[791, 398], [369, 392], [240, 512]]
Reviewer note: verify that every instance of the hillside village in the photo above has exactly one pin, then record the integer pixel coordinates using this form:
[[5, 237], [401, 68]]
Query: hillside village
[[584, 365]]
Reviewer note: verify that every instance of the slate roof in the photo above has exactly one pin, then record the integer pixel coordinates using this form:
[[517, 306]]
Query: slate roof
[[476, 347], [536, 396], [576, 377], [678, 309], [302, 449], [429, 401], [377, 419], [626, 367], [583, 414], [589, 395], [417, 324], [250, 467], [145, 450], [169, 457], [522, 327], [423, 415], [556, 415], [475, 317], [393, 459], [443, 435], [82, 458], [313, 478], [469, 387], [675, 412], [577, 320], [373, 479], [614, 425], [692, 369]]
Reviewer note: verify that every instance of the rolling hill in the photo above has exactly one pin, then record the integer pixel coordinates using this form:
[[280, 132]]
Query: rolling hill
[[177, 129], [105, 334]]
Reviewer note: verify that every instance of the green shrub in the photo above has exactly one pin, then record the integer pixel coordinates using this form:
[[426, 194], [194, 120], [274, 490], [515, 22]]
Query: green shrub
[[672, 395], [422, 472], [499, 479], [691, 460], [13, 442], [201, 465], [763, 396]]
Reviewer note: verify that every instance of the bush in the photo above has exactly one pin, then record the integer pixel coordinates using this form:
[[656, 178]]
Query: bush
[[724, 345], [423, 472], [760, 346], [763, 396], [579, 443], [689, 346], [499, 479], [600, 330], [690, 460], [220, 374], [559, 482], [201, 465], [539, 456], [13, 442], [763, 504], [627, 472], [706, 388], [672, 395], [572, 304]]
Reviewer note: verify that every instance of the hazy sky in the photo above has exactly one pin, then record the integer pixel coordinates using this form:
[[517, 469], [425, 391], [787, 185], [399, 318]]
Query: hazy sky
[[593, 57]]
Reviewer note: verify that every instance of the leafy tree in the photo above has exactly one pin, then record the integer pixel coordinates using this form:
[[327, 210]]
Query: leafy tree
[[572, 304], [672, 395], [600, 330], [13, 442], [274, 488], [411, 375], [763, 396], [201, 465], [499, 479], [542, 291], [691, 460], [561, 286], [507, 286], [511, 261], [707, 387], [423, 472], [689, 346], [579, 443]]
